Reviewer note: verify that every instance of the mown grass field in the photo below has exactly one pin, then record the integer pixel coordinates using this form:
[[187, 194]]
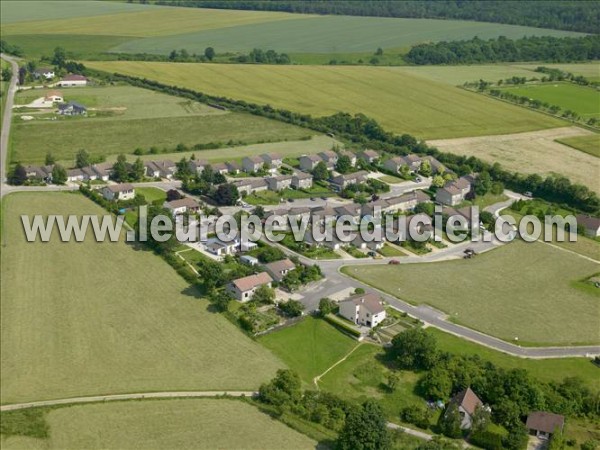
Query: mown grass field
[[587, 144], [533, 152], [589, 70], [529, 291], [400, 102], [161, 424], [151, 194], [122, 119], [309, 347], [102, 318], [583, 100]]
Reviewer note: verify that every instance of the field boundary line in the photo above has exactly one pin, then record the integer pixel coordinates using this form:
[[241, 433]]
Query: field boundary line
[[318, 377], [133, 396], [558, 247]]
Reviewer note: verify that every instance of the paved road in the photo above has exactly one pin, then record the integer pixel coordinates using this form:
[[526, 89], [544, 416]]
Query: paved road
[[6, 119], [136, 396]]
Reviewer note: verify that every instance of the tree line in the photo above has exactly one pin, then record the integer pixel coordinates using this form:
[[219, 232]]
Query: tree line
[[573, 16], [502, 49], [365, 132]]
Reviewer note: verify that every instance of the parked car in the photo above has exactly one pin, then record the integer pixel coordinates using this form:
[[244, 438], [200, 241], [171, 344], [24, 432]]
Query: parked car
[[528, 194], [394, 262], [372, 254], [418, 179]]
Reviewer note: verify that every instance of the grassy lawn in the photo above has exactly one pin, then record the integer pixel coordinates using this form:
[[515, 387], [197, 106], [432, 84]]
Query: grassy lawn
[[390, 251], [391, 179], [151, 194], [263, 198], [309, 347], [430, 109], [102, 318], [483, 201], [588, 144], [581, 99], [274, 198], [161, 424], [524, 290]]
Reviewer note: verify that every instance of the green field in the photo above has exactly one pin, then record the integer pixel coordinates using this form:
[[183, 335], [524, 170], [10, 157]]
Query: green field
[[310, 347], [587, 144], [529, 291], [589, 70], [124, 118], [151, 194], [583, 100], [400, 102], [101, 318], [163, 424]]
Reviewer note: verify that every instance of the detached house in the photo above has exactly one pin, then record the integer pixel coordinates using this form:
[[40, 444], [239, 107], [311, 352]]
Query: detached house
[[590, 224], [44, 72], [73, 80], [308, 162], [393, 164], [123, 191], [54, 97], [330, 157], [279, 183], [544, 424], [368, 156], [363, 309], [302, 180], [351, 156], [72, 109], [467, 402], [182, 206], [272, 159], [250, 185], [279, 269], [252, 163], [454, 192], [243, 289], [160, 169], [341, 181]]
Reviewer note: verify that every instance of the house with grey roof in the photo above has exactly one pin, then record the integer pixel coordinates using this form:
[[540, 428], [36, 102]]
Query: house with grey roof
[[302, 180], [363, 309], [308, 162], [252, 163]]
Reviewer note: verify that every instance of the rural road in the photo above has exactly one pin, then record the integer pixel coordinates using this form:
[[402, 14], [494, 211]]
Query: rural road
[[6, 119]]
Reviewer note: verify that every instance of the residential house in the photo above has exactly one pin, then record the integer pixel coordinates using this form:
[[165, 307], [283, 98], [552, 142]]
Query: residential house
[[252, 163], [368, 156], [301, 180], [102, 170], [279, 269], [221, 168], [467, 402], [363, 309], [544, 424], [351, 210], [413, 162], [220, 248], [341, 181], [298, 213], [72, 109], [454, 192], [197, 165], [323, 214], [308, 162], [350, 156], [54, 97], [393, 164], [279, 183], [330, 157], [182, 206], [249, 260], [406, 201], [233, 167], [44, 72], [243, 289], [43, 173], [74, 175], [250, 185], [436, 166], [591, 225], [375, 208], [73, 80], [123, 191], [274, 160], [160, 169], [89, 173]]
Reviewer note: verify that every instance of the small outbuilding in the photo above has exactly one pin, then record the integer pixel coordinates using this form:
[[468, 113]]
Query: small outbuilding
[[543, 424]]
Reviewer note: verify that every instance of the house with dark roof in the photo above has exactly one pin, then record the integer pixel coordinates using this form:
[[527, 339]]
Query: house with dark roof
[[454, 192], [243, 289], [544, 424], [308, 162], [363, 309], [301, 180], [467, 402], [122, 191], [351, 156], [341, 181], [274, 160], [72, 109], [250, 185], [330, 157], [160, 169], [252, 163], [591, 225], [369, 156], [279, 269], [279, 183]]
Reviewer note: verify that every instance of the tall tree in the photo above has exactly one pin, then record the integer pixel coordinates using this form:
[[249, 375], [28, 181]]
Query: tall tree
[[227, 194], [137, 170], [120, 172], [18, 175], [50, 159], [209, 52], [82, 159], [320, 172], [59, 174], [344, 164], [365, 429], [414, 349], [60, 56]]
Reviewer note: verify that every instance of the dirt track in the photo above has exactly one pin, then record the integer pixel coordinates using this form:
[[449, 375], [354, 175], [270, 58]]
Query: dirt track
[[531, 152]]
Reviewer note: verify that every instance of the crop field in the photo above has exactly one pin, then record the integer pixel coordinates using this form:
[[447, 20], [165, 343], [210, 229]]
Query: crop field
[[518, 290], [590, 70], [123, 118], [101, 318], [583, 100], [309, 347], [400, 102], [161, 424], [532, 152], [589, 144]]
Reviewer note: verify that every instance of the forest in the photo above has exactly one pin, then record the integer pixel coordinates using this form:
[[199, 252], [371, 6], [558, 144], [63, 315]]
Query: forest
[[572, 16]]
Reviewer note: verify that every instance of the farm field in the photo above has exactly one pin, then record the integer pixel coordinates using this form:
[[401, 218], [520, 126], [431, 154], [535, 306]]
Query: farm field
[[504, 289], [532, 152], [583, 100], [124, 118], [101, 318], [160, 424], [588, 144], [309, 347], [589, 70], [400, 102]]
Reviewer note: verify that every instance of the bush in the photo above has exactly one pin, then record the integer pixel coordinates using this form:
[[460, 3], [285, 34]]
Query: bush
[[340, 324], [487, 440]]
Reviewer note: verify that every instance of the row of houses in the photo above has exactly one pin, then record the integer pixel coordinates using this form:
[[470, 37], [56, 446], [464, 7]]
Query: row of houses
[[71, 80], [329, 157], [278, 183], [414, 163]]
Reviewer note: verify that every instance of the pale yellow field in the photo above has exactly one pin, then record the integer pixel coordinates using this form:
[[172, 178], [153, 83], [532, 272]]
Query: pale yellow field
[[534, 152], [400, 102], [157, 21]]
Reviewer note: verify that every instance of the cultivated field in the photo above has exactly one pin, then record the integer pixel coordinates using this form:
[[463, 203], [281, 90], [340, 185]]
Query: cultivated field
[[534, 152], [519, 290], [102, 318], [588, 144], [310, 347], [126, 118], [583, 100], [589, 70], [400, 102], [162, 424]]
